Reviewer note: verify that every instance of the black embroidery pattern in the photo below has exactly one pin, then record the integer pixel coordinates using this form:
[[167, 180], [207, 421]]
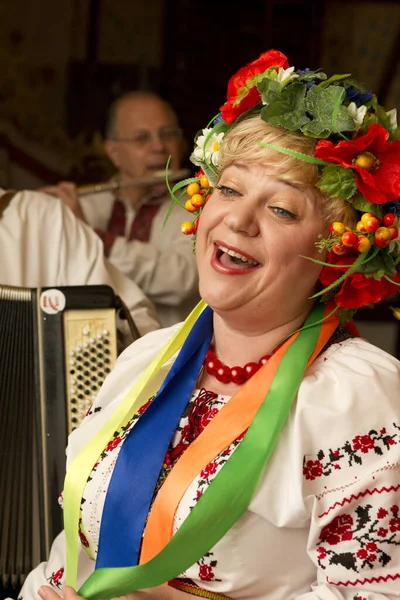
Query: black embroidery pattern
[[364, 539], [351, 452]]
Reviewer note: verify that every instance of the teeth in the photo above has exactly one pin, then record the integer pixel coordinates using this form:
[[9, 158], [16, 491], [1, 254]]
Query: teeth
[[237, 255]]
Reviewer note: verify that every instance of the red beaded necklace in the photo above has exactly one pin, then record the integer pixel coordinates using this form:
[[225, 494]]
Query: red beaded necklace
[[213, 366]]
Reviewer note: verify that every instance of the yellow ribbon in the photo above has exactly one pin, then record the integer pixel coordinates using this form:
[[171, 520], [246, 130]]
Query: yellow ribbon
[[81, 467]]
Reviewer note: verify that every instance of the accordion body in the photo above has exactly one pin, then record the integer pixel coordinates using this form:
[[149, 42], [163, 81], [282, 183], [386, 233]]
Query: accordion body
[[56, 348]]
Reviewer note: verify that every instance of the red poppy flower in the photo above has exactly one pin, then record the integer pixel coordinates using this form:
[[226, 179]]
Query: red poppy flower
[[357, 290], [376, 162], [242, 91]]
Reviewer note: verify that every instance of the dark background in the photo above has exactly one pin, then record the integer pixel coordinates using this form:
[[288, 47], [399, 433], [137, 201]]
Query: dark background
[[63, 63]]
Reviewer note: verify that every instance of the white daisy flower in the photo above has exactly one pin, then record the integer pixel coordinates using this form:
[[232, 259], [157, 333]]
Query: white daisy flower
[[357, 114], [283, 76], [208, 149]]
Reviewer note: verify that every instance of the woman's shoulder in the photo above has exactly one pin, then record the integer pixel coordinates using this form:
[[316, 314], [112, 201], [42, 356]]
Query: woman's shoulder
[[355, 357], [353, 386], [148, 344]]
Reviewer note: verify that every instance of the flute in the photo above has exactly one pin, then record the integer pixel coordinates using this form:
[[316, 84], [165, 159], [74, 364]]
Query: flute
[[157, 177]]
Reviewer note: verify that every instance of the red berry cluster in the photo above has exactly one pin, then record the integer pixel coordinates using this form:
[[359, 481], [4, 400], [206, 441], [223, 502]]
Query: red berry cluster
[[369, 230]]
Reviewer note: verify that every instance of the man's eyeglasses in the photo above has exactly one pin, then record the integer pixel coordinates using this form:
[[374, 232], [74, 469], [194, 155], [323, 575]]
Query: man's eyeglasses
[[144, 138]]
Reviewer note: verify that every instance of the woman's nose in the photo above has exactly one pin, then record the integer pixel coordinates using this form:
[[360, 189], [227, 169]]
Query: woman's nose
[[242, 218]]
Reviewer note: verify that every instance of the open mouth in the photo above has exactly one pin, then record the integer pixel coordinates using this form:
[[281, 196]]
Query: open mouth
[[233, 259]]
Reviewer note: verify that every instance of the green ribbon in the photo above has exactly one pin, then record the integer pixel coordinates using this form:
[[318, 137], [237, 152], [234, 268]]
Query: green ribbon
[[229, 494]]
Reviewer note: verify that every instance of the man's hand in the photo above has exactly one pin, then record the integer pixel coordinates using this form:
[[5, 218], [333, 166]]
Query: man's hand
[[66, 191]]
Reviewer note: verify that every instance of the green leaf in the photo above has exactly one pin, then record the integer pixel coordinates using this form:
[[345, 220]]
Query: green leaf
[[338, 182], [360, 261], [376, 265], [361, 204], [389, 263], [346, 315], [325, 105], [299, 155], [334, 79], [287, 109], [369, 119], [270, 74], [312, 76], [269, 89]]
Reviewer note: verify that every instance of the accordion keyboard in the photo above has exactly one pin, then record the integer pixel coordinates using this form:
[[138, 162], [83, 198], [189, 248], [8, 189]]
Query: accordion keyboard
[[91, 351]]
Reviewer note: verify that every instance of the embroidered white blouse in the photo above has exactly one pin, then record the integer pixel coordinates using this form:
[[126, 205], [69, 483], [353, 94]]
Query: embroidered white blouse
[[324, 523]]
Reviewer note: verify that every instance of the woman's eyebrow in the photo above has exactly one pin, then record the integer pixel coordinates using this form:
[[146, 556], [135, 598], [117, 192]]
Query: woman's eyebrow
[[297, 186]]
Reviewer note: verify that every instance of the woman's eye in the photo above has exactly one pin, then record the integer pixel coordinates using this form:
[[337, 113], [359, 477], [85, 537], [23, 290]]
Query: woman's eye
[[227, 191], [283, 213]]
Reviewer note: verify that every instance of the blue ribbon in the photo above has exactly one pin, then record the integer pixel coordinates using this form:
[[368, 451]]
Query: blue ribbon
[[142, 454]]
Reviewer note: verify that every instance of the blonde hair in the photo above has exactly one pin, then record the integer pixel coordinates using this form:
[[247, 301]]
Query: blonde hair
[[241, 144]]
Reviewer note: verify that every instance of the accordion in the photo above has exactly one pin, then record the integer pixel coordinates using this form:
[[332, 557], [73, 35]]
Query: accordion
[[56, 348]]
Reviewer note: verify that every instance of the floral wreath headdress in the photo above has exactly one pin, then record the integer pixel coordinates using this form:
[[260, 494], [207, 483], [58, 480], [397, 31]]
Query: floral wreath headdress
[[357, 157]]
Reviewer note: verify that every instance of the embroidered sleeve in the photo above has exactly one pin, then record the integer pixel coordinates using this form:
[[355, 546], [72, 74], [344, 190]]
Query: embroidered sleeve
[[355, 531], [351, 477]]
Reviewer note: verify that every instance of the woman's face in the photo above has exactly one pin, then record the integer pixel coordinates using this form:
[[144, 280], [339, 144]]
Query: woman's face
[[252, 235]]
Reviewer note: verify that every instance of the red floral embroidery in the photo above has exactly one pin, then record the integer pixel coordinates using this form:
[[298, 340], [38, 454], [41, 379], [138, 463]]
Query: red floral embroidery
[[364, 443], [338, 530], [394, 524], [242, 91], [312, 469], [210, 469], [143, 408], [376, 441], [368, 536], [206, 568], [113, 443], [199, 414], [378, 184], [56, 577], [206, 573], [82, 536], [205, 420], [357, 289]]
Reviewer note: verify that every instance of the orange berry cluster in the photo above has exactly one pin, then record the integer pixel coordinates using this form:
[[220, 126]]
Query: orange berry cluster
[[199, 194], [369, 230]]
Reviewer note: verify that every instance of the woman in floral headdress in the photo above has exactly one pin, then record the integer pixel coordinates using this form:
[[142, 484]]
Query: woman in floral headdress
[[257, 454]]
